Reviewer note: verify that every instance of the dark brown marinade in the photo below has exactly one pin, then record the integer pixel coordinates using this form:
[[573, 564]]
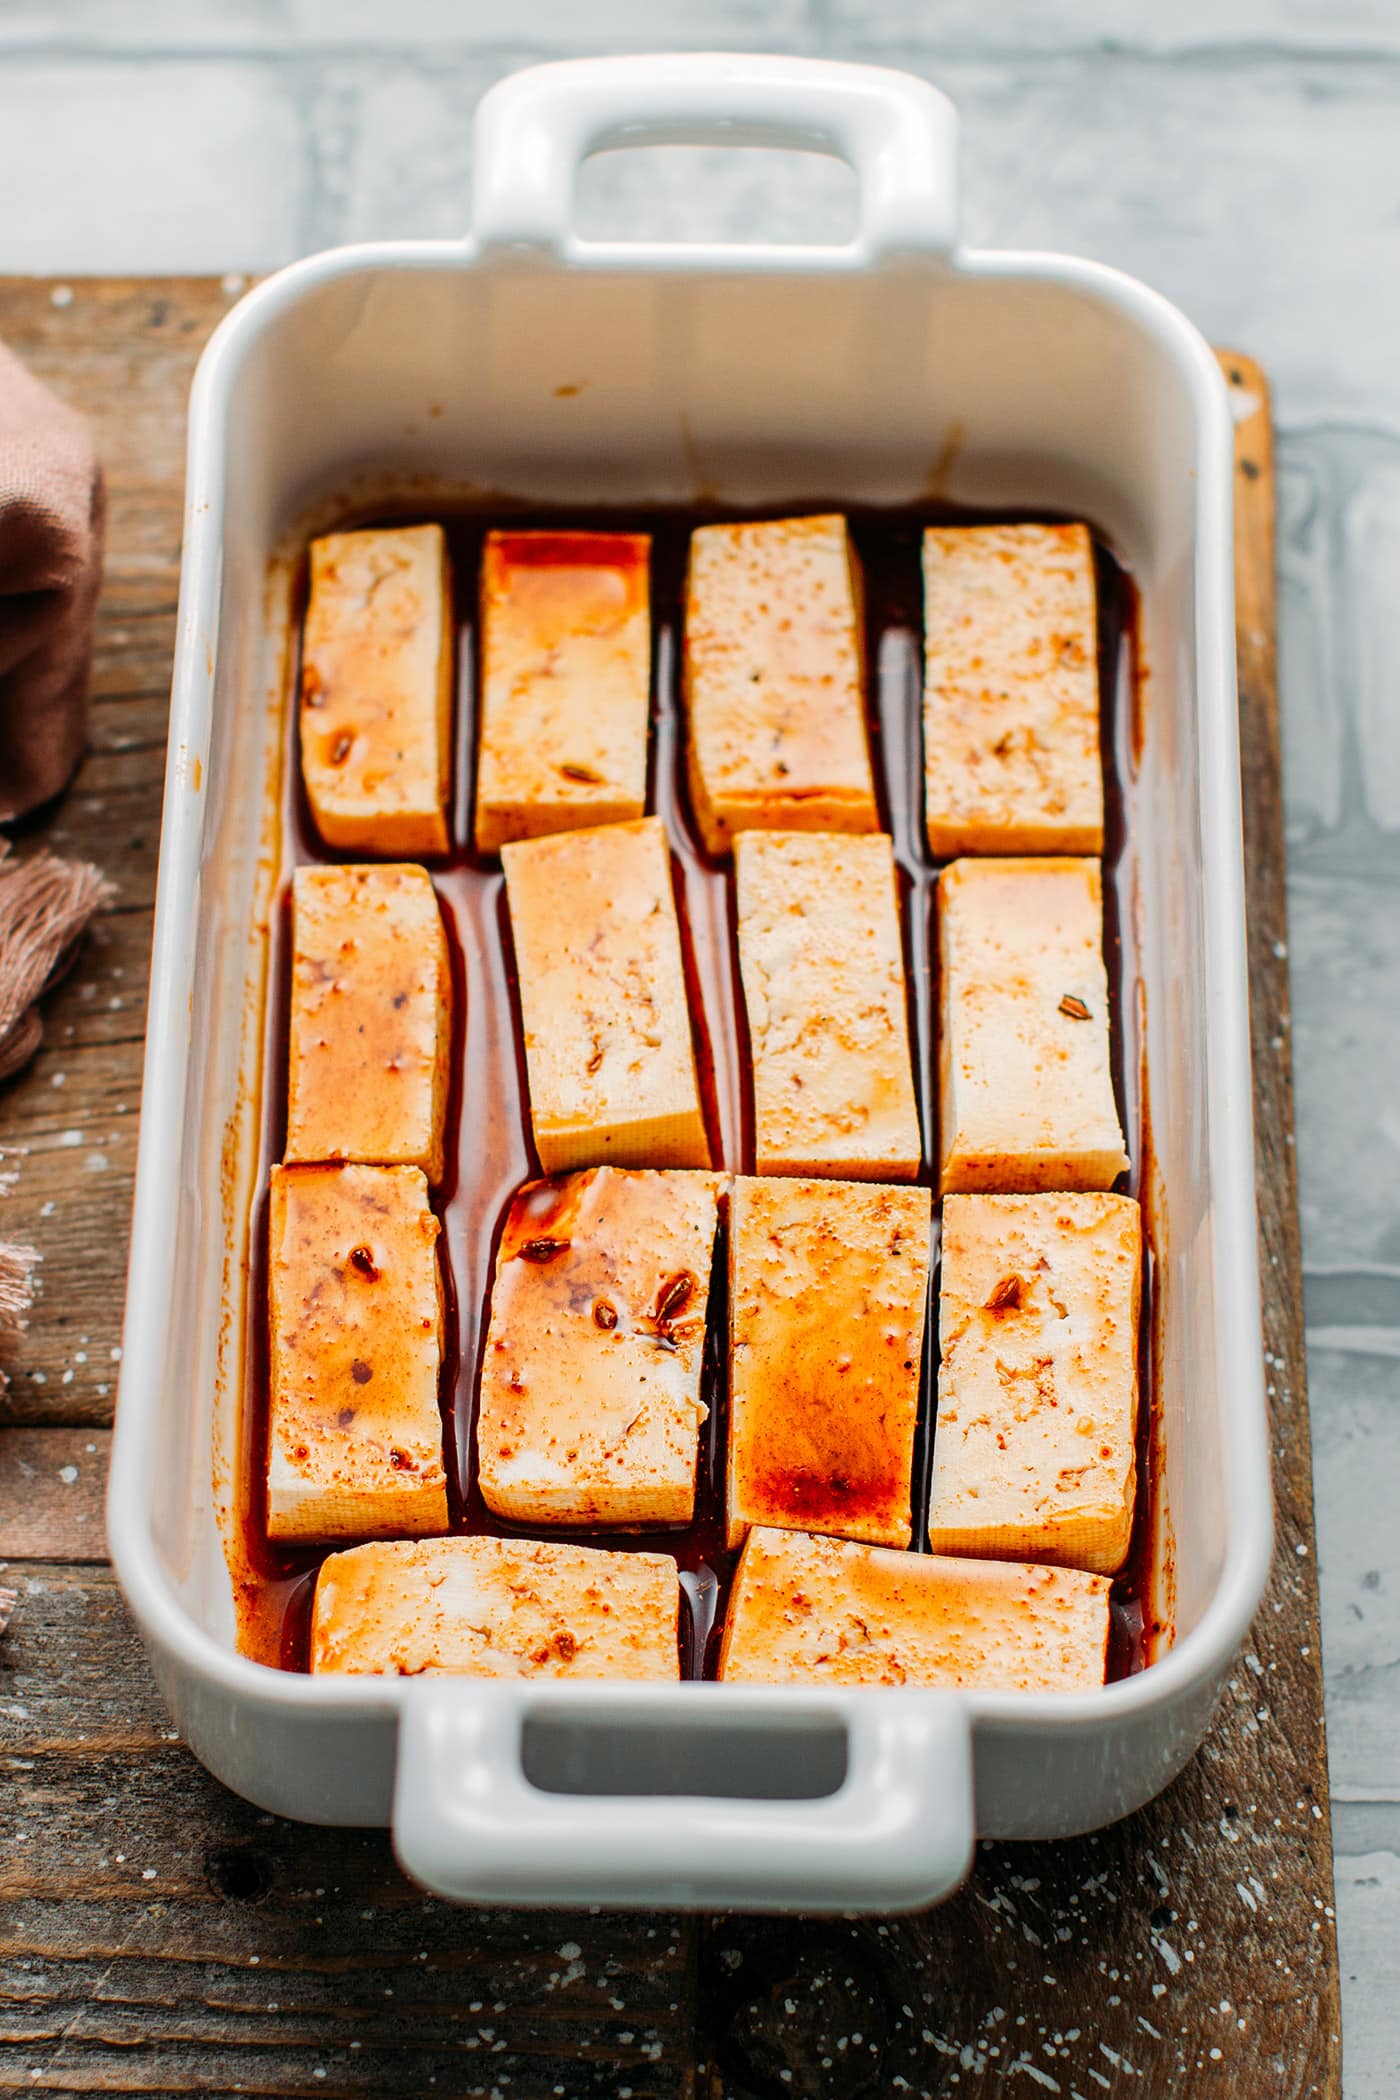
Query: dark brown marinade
[[489, 1149]]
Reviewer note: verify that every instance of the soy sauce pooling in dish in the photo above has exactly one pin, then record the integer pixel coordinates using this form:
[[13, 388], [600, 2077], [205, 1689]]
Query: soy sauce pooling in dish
[[489, 1149]]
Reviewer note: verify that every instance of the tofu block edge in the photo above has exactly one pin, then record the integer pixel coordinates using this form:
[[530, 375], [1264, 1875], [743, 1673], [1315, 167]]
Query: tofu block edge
[[1025, 1087], [565, 693], [822, 968], [497, 1607], [327, 1484], [348, 718], [1011, 690], [793, 1458], [811, 1610], [754, 680], [590, 1408], [603, 997], [377, 1021], [1035, 1445]]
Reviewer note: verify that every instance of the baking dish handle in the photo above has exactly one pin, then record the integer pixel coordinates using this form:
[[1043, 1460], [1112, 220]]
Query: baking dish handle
[[895, 1833], [896, 133]]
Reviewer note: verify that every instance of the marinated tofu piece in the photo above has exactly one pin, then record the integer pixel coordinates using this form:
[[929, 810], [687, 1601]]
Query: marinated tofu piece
[[1034, 1451], [823, 970], [371, 1018], [828, 1283], [774, 677], [354, 1432], [376, 690], [1025, 1090], [1011, 691], [590, 1386], [486, 1607], [608, 1049], [824, 1611], [565, 682]]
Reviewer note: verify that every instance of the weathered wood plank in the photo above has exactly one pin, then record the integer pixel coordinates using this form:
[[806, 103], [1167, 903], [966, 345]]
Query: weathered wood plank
[[52, 1482], [159, 1935], [102, 1000], [73, 1159], [124, 351]]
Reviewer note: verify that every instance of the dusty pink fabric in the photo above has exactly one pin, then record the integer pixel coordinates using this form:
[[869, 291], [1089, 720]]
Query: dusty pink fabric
[[51, 520], [52, 512], [45, 905]]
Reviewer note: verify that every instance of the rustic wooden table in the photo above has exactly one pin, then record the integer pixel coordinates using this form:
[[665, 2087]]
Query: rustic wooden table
[[158, 1935]]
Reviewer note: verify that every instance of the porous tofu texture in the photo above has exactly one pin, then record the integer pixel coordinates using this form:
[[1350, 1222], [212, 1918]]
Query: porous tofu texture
[[376, 690], [823, 970], [355, 1331], [371, 1018], [1025, 1089], [487, 1607], [565, 682], [823, 1611], [1011, 691], [590, 1385], [602, 997], [1034, 1449], [774, 679], [828, 1283]]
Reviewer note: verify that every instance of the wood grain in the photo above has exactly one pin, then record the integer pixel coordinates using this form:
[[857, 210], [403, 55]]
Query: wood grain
[[124, 351], [159, 1936], [52, 1483]]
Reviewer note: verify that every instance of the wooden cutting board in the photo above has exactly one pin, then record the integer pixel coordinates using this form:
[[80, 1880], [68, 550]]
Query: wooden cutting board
[[158, 1935]]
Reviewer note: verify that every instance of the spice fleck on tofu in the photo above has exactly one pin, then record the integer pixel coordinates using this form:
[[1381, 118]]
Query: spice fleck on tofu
[[370, 1022], [774, 677], [484, 1607], [1025, 1089], [608, 1047], [355, 1321], [1011, 691], [565, 683], [828, 1283], [823, 970], [376, 691], [824, 1611], [590, 1384], [1034, 1452]]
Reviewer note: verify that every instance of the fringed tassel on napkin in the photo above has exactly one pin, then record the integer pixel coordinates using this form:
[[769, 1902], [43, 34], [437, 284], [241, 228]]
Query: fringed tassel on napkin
[[52, 509], [45, 904], [16, 1284]]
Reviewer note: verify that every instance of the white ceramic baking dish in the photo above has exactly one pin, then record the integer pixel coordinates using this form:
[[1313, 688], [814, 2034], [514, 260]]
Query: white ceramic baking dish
[[525, 361]]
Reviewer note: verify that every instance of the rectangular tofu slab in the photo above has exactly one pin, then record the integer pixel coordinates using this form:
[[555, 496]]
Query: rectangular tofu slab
[[774, 677], [486, 1607], [355, 1330], [823, 1611], [608, 1047], [590, 1386], [828, 1284], [565, 682], [1011, 691], [371, 1018], [1025, 1089], [1034, 1451], [823, 970], [376, 691]]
